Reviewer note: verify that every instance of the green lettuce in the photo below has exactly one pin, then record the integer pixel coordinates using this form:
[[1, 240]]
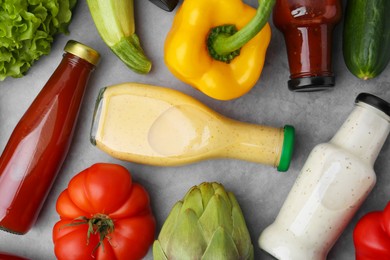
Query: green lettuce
[[27, 28]]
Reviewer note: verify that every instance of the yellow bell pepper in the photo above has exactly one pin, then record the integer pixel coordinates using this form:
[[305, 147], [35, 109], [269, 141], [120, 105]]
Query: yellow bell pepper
[[219, 46]]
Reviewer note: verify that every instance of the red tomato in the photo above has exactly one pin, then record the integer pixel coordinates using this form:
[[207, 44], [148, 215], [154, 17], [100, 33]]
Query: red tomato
[[104, 215]]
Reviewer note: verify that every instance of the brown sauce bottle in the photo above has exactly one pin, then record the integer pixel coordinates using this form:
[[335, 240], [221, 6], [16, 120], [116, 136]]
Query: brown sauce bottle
[[307, 27]]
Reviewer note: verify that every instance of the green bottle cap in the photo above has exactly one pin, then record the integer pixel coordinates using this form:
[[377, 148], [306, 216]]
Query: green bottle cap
[[287, 149]]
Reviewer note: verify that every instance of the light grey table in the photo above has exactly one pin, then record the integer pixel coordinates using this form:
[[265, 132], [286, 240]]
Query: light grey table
[[259, 189]]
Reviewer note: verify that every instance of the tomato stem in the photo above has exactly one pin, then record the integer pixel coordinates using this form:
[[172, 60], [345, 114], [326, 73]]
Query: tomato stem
[[100, 224]]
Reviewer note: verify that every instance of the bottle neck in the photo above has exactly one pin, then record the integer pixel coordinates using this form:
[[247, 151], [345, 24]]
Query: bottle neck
[[255, 143], [73, 60], [68, 82], [364, 132]]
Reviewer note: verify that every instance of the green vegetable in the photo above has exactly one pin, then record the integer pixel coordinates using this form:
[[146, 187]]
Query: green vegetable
[[27, 28], [114, 20], [207, 224], [366, 41]]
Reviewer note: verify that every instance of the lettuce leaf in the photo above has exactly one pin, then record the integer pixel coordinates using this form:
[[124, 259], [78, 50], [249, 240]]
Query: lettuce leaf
[[27, 30]]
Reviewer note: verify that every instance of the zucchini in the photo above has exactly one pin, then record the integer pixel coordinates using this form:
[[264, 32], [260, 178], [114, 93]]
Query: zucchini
[[366, 37], [114, 20]]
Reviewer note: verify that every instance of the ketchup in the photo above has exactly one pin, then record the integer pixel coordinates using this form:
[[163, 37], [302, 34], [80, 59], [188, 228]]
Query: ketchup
[[6, 256], [307, 26], [40, 141]]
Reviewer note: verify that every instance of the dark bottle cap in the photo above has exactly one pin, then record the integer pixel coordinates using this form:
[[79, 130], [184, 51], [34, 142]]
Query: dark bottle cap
[[167, 5], [374, 101], [311, 84]]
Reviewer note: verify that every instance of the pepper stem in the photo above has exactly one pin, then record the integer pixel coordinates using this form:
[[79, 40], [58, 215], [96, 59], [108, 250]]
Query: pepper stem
[[225, 44]]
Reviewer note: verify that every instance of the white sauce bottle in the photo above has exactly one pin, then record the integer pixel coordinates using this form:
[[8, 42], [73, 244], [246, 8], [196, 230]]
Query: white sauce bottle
[[334, 182]]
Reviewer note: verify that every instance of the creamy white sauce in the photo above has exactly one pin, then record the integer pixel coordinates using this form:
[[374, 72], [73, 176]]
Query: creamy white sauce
[[333, 183]]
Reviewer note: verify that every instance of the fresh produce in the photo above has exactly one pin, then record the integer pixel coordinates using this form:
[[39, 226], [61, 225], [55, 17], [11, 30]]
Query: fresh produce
[[104, 215], [366, 39], [114, 20], [219, 46], [27, 30], [207, 224], [371, 235]]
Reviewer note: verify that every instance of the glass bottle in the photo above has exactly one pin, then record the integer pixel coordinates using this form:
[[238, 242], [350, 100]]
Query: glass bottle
[[333, 183], [307, 27], [160, 126], [7, 256], [40, 141]]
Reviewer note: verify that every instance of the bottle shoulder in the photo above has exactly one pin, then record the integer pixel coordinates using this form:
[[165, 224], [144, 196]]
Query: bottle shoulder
[[330, 152]]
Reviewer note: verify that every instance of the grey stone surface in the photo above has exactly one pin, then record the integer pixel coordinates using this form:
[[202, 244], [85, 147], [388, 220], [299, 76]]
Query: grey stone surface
[[259, 189]]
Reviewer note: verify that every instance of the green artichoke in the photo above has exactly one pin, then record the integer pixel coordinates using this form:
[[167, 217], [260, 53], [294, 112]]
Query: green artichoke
[[207, 224]]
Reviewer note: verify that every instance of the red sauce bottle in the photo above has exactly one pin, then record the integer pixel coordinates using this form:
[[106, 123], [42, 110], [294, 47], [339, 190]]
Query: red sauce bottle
[[40, 141], [307, 26], [6, 256]]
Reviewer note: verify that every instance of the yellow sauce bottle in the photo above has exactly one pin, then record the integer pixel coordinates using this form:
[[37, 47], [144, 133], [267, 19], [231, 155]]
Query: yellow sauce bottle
[[164, 127]]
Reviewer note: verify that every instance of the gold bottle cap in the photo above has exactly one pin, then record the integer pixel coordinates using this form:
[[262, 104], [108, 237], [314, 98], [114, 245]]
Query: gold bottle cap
[[82, 51]]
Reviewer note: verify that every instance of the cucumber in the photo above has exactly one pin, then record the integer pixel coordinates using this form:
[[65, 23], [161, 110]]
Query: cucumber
[[366, 37]]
